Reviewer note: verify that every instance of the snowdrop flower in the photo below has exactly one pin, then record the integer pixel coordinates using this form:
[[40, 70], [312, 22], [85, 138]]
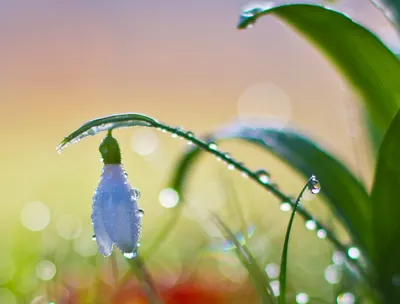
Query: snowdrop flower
[[116, 217]]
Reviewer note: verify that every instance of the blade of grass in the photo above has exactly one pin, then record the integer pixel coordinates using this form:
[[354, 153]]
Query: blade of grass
[[144, 277], [282, 275], [257, 275]]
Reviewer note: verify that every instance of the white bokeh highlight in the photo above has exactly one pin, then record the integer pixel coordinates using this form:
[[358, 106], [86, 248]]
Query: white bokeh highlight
[[35, 216], [168, 198], [264, 102], [69, 227], [45, 270], [144, 141]]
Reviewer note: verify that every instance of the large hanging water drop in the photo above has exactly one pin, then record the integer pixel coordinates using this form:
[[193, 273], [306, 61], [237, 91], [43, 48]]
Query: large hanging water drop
[[130, 255], [314, 186]]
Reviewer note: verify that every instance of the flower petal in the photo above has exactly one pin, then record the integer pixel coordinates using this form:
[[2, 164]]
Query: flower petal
[[103, 240], [121, 216]]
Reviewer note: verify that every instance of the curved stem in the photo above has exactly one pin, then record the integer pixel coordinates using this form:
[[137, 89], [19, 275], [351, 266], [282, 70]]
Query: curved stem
[[145, 278], [282, 273]]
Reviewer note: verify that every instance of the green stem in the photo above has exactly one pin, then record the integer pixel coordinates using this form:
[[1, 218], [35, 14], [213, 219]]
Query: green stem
[[282, 273], [145, 278]]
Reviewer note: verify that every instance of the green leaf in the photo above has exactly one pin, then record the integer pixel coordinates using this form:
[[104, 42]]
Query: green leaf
[[385, 198], [361, 57], [107, 123], [391, 8], [345, 195], [257, 274]]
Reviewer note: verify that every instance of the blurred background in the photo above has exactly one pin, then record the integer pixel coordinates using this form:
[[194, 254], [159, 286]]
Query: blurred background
[[184, 63]]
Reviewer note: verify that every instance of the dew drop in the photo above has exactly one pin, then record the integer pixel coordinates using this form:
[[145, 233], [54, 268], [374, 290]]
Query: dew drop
[[140, 212], [338, 258], [314, 185], [321, 233], [190, 142], [138, 244], [302, 298], [311, 225], [189, 134], [346, 298], [93, 237], [231, 167], [249, 14], [272, 270], [354, 253], [263, 176], [219, 158], [285, 206], [333, 274], [135, 194], [245, 174], [227, 155], [59, 149], [130, 255], [212, 146], [174, 135]]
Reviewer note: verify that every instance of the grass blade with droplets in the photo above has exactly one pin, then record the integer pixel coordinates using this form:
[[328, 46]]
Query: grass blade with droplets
[[285, 250], [345, 195]]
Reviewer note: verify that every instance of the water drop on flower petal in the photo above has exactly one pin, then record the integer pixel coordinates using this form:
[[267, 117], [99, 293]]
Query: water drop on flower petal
[[130, 255], [135, 194]]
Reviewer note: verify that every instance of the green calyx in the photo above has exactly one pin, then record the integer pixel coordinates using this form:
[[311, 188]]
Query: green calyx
[[109, 149]]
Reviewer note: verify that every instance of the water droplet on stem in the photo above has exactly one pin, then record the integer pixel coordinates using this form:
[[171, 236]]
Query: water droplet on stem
[[263, 176], [314, 185]]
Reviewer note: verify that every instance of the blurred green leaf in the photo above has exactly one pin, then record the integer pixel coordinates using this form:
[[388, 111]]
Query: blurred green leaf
[[346, 196], [257, 274], [385, 197], [361, 57]]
